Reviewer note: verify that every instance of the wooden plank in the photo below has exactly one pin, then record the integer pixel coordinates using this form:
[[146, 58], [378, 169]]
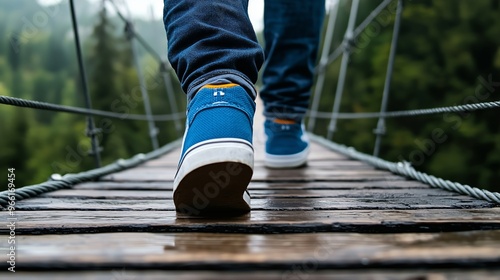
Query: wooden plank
[[301, 272], [322, 164], [302, 175], [276, 204], [368, 185], [256, 251], [315, 165], [425, 220], [259, 193]]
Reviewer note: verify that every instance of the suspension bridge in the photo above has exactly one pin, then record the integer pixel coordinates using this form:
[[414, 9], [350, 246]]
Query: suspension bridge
[[347, 215]]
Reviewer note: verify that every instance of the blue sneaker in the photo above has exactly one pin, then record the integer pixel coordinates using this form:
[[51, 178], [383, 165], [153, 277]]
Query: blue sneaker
[[287, 144], [216, 162]]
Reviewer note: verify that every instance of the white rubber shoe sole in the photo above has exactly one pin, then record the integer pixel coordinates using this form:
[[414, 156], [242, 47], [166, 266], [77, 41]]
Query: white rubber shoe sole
[[286, 161], [213, 177]]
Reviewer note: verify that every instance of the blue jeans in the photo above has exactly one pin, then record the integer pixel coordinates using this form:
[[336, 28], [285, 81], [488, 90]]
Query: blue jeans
[[213, 40]]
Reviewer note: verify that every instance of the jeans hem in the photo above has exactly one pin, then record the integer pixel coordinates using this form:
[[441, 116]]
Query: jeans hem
[[232, 76]]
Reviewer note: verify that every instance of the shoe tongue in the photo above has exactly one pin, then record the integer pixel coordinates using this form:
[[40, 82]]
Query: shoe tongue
[[284, 121]]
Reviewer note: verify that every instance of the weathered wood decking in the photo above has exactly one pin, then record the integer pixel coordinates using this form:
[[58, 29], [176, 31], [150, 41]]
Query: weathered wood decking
[[335, 219]]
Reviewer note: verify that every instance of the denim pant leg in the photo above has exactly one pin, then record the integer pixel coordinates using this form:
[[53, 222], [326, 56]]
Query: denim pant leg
[[210, 40], [292, 30]]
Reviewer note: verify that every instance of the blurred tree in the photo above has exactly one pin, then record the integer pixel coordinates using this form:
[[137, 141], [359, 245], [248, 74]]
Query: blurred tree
[[446, 51]]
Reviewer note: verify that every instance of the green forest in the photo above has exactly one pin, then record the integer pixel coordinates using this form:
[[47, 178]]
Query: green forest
[[448, 54]]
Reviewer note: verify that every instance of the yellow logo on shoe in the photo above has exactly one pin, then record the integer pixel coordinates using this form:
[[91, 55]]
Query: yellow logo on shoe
[[230, 85]]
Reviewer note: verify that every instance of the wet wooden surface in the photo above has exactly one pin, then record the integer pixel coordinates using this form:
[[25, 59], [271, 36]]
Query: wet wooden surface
[[298, 273], [334, 219], [257, 251]]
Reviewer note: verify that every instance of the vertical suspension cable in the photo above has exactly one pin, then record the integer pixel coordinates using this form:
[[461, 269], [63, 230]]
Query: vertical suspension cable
[[323, 63], [91, 129], [380, 130], [348, 41], [171, 95], [163, 68], [153, 131]]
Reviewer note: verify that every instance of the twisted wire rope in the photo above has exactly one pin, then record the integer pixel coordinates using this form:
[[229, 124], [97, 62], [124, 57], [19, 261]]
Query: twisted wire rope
[[58, 182], [19, 102], [405, 169], [412, 113]]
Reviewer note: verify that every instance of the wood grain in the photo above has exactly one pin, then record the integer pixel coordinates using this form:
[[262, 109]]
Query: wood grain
[[367, 185], [256, 193], [240, 251], [275, 204], [288, 175], [396, 221]]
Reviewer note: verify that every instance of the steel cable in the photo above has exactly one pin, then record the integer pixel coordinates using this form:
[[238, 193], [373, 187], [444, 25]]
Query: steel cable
[[58, 182], [19, 102], [411, 113], [405, 169]]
